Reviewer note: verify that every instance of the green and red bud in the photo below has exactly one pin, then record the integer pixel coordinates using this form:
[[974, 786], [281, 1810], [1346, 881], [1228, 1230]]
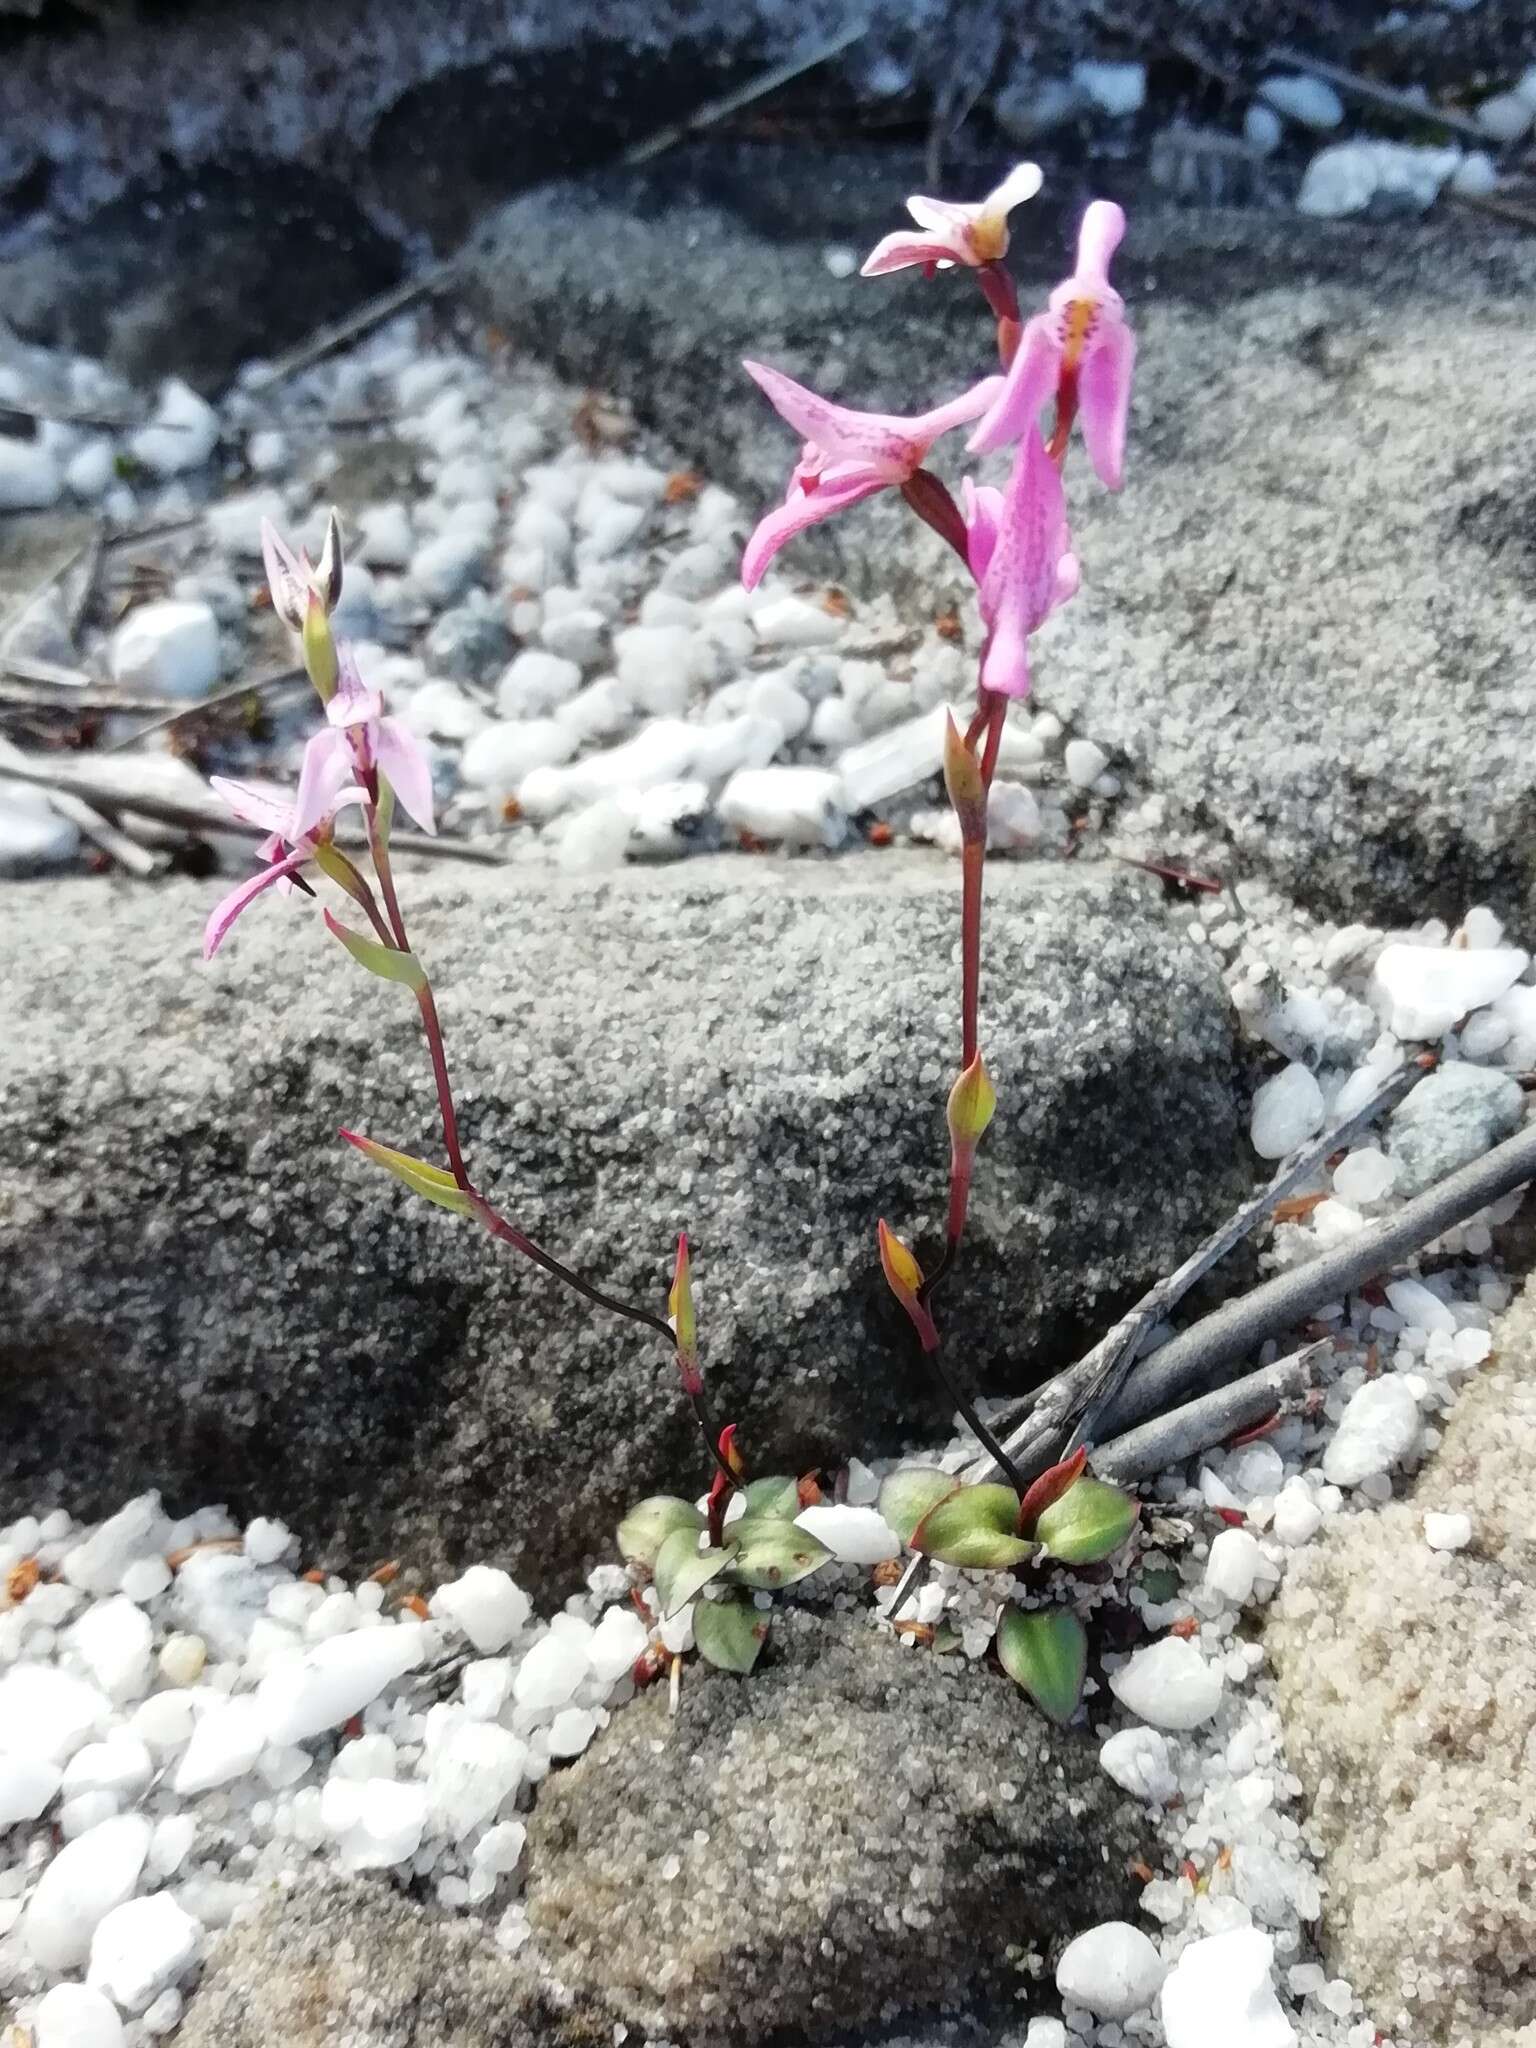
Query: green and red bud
[[1049, 1488], [904, 1277], [728, 1472], [972, 1105], [684, 1323], [967, 788]]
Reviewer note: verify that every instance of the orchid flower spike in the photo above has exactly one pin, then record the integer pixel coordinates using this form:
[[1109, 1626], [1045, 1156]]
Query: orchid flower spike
[[284, 851], [294, 582], [1079, 352], [954, 233], [847, 456], [1020, 553], [356, 745]]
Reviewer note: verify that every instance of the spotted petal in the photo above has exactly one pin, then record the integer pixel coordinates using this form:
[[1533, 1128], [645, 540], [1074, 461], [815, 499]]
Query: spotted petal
[[1104, 396], [1032, 379], [836, 490]]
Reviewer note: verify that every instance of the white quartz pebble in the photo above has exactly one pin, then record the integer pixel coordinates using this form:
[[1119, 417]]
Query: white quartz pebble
[[47, 1714], [1297, 1516], [1447, 1532], [335, 1680], [88, 1877], [1365, 1176], [29, 475], [1379, 1428], [375, 1822], [1113, 1970], [1424, 990], [27, 1783], [169, 648], [1170, 1684], [853, 1535], [1138, 1760], [113, 1639], [1233, 1565], [617, 1641], [1420, 1307], [228, 1738], [473, 1769], [551, 1671], [795, 806], [140, 1948], [74, 2016], [793, 622], [1287, 1110], [1220, 1994], [1085, 761], [181, 436], [486, 1604]]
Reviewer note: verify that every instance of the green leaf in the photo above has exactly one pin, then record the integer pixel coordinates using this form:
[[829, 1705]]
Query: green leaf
[[1046, 1652], [1088, 1522], [682, 1569], [975, 1527], [774, 1499], [907, 1496], [767, 1553], [648, 1525], [385, 961], [433, 1182], [729, 1633]]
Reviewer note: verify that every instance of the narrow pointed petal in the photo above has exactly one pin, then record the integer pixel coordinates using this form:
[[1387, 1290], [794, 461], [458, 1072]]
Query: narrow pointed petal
[[1031, 380], [286, 581], [983, 510], [229, 907], [328, 767], [1021, 184], [956, 412], [1098, 238], [266, 804], [839, 431], [328, 570], [403, 759], [1104, 400], [905, 251], [942, 216], [800, 510]]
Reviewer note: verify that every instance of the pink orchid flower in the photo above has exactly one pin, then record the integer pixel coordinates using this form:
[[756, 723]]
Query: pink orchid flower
[[293, 581], [357, 744], [847, 456], [285, 850], [972, 235], [1079, 352], [1020, 553]]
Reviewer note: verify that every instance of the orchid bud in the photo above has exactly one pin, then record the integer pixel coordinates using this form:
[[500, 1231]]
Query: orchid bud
[[684, 1324], [963, 780], [904, 1277], [320, 657], [972, 1104], [328, 570]]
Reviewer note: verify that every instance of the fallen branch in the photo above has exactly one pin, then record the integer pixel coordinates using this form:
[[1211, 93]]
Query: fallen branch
[[72, 699], [137, 860], [1080, 1395], [212, 818], [280, 679], [1202, 1424], [372, 313], [1383, 96], [745, 96], [1194, 1359]]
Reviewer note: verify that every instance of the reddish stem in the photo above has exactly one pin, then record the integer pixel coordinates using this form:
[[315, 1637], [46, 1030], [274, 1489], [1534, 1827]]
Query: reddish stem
[[989, 719]]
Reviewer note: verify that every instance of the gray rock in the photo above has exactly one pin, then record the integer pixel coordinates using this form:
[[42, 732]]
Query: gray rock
[[145, 283], [889, 1833], [1453, 1117], [1405, 1682], [1316, 648], [470, 643], [858, 1830], [201, 1290], [360, 1963]]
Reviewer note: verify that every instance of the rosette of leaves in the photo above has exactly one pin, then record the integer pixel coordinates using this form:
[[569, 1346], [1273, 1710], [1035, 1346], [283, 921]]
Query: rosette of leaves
[[762, 1551], [1065, 1518]]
